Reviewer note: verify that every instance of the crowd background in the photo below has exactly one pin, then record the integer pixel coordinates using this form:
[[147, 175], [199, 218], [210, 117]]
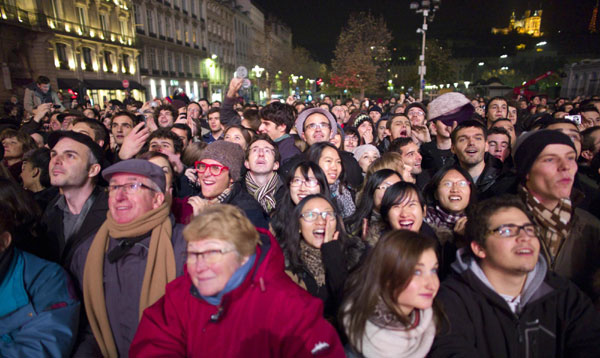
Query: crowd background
[[344, 216]]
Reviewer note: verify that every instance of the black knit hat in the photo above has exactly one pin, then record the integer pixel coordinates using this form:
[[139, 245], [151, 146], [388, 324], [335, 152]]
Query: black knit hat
[[86, 140], [360, 119], [530, 145]]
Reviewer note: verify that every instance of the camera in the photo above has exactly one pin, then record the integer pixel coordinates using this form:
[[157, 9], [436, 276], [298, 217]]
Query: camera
[[576, 118]]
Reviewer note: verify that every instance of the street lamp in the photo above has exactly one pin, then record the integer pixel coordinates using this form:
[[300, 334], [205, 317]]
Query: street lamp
[[427, 8]]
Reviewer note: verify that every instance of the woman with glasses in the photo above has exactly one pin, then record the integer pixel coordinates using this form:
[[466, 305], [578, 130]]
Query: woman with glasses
[[305, 178], [366, 221], [448, 195], [318, 252], [234, 300], [330, 160], [389, 308]]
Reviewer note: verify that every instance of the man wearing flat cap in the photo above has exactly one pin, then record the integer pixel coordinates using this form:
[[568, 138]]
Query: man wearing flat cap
[[546, 163], [124, 267], [80, 208]]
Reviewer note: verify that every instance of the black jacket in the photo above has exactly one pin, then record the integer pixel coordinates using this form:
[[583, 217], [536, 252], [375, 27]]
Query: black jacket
[[492, 172], [555, 319], [53, 222]]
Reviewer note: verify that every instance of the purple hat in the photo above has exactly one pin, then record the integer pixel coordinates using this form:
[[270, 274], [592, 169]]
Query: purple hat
[[450, 107], [307, 112], [138, 166]]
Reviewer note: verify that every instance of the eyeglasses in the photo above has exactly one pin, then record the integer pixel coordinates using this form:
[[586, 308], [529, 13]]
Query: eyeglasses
[[450, 184], [256, 150], [210, 257], [321, 125], [129, 188], [351, 139], [416, 113], [310, 182], [512, 230], [213, 169], [313, 215]]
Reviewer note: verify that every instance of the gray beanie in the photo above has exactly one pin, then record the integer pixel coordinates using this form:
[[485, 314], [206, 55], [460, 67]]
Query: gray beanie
[[359, 151], [229, 154]]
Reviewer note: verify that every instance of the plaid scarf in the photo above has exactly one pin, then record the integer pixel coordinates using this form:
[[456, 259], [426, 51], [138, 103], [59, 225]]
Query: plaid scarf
[[265, 194], [437, 217], [554, 225], [312, 259], [343, 198]]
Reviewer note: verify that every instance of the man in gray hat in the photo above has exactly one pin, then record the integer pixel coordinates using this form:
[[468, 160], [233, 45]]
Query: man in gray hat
[[123, 268]]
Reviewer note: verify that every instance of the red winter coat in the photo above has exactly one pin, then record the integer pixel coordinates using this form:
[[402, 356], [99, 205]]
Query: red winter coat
[[268, 315]]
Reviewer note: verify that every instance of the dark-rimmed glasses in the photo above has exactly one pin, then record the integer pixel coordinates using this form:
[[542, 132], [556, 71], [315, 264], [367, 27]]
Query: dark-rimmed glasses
[[512, 230]]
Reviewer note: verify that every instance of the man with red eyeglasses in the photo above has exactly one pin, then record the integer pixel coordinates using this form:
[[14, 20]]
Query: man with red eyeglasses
[[218, 173]]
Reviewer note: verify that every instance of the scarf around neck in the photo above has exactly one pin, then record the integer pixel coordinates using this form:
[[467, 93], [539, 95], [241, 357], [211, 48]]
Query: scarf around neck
[[313, 261], [437, 216], [343, 198], [386, 336], [554, 225], [265, 194], [160, 269]]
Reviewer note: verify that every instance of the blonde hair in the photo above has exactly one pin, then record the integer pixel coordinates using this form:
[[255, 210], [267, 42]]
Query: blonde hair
[[224, 222], [389, 160]]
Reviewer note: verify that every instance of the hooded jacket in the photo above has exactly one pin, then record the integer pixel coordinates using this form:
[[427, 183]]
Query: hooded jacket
[[553, 318], [266, 316]]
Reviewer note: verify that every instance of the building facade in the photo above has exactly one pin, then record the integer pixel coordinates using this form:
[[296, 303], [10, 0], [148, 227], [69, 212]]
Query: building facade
[[172, 40], [582, 79], [84, 47]]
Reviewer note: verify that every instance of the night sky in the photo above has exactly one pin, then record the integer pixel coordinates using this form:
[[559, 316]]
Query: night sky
[[316, 24]]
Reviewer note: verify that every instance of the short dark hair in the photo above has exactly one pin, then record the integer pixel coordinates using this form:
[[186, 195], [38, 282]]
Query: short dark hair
[[398, 143], [587, 141], [40, 158], [99, 129], [167, 134], [267, 139], [280, 114], [185, 127], [479, 215], [431, 188], [42, 80], [388, 125], [496, 98], [470, 123], [499, 130], [131, 116], [213, 110]]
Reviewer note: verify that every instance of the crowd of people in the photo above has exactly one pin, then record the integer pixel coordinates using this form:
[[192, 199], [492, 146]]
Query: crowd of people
[[339, 227]]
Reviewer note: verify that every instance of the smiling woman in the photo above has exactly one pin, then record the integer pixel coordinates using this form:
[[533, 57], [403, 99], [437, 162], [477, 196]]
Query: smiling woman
[[318, 252]]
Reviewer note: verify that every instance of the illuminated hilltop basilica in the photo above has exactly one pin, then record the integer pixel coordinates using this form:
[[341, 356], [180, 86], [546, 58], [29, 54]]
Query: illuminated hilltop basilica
[[529, 24]]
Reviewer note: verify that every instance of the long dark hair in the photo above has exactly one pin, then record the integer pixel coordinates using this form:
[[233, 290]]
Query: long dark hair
[[365, 200], [385, 273], [314, 155], [285, 205], [431, 187], [396, 194], [292, 235]]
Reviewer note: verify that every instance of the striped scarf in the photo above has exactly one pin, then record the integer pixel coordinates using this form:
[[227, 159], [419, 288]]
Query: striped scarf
[[265, 194], [554, 225]]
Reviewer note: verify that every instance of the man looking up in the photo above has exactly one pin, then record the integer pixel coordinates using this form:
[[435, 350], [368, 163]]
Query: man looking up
[[214, 124], [411, 158], [121, 124], [277, 120], [318, 125], [165, 116], [80, 208], [546, 163], [262, 162], [470, 148], [123, 267], [503, 301]]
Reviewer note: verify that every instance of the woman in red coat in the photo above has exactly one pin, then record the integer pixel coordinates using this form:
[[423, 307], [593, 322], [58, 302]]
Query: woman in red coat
[[234, 300]]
